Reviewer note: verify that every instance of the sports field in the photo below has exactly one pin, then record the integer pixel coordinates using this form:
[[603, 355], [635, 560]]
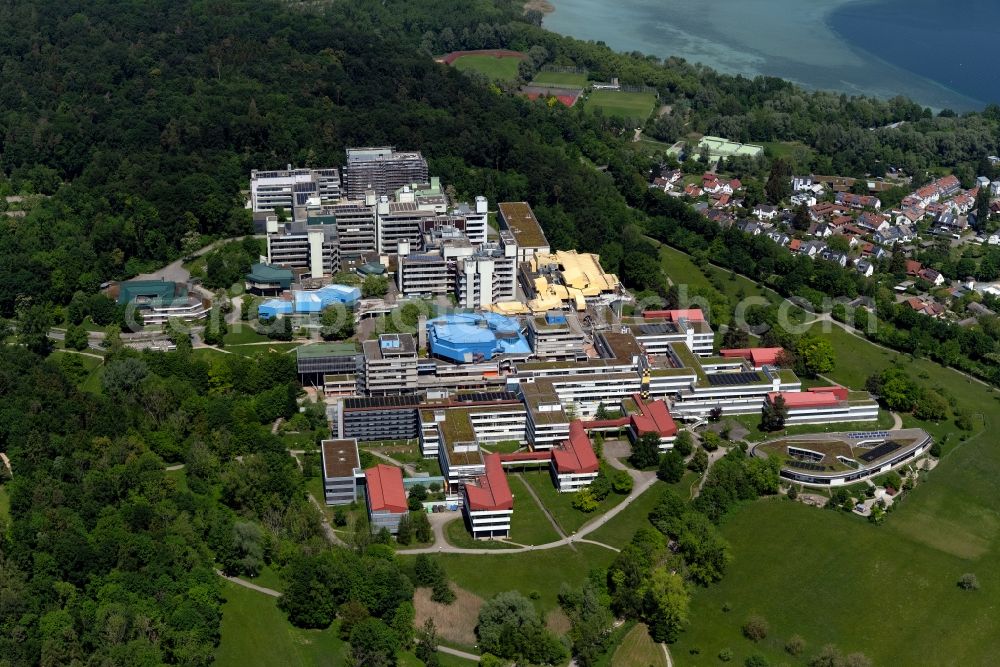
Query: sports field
[[622, 105], [567, 79], [496, 68]]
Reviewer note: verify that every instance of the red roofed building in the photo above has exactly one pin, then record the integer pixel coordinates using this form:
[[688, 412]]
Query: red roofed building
[[574, 463], [795, 245], [488, 503], [690, 314], [824, 405], [386, 497], [758, 356], [652, 417]]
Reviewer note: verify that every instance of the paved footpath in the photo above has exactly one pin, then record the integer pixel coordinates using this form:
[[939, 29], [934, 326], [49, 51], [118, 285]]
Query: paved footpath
[[246, 584]]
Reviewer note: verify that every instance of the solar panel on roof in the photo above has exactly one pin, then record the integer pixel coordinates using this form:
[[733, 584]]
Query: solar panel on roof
[[657, 329], [485, 396], [880, 451], [360, 403], [304, 187], [733, 379]]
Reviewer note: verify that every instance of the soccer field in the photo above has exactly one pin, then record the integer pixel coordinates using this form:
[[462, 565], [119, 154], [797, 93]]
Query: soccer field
[[622, 105], [497, 69]]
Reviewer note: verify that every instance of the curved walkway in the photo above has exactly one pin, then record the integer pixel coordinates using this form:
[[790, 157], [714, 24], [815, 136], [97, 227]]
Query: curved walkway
[[637, 490], [246, 584]]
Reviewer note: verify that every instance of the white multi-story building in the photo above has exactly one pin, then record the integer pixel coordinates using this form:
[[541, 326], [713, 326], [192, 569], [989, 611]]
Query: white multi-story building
[[488, 504], [292, 189], [390, 365], [300, 245], [827, 405], [382, 169]]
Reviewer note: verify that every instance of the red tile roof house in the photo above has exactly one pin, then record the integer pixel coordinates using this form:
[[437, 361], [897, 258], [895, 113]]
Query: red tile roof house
[[574, 463], [819, 405], [913, 267], [488, 503], [652, 417], [386, 497], [758, 356], [689, 314]]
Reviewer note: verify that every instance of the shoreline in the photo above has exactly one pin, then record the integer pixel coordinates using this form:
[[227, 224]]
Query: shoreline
[[836, 64], [543, 6]]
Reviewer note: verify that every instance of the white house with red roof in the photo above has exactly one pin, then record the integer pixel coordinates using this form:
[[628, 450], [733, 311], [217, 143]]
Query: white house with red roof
[[488, 504], [385, 497], [758, 356], [824, 405], [574, 463], [652, 417]]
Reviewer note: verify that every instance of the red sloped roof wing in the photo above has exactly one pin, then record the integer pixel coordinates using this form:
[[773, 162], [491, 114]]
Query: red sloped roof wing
[[385, 489], [575, 455], [491, 491]]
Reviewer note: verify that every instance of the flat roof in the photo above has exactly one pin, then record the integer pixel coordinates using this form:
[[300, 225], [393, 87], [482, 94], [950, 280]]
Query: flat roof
[[521, 221], [326, 350], [340, 457]]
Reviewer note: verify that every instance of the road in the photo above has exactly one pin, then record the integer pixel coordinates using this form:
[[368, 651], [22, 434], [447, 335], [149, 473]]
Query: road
[[175, 271]]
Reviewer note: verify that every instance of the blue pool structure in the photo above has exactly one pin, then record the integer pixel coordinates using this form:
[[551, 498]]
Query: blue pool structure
[[469, 337]]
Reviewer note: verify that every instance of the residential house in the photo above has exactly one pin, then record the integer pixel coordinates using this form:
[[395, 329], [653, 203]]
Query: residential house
[[865, 267], [765, 212], [749, 227], [834, 256], [806, 198], [858, 201], [931, 276], [693, 190]]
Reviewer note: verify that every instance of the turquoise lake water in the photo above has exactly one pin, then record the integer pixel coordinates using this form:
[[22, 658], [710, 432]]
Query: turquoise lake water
[[934, 52]]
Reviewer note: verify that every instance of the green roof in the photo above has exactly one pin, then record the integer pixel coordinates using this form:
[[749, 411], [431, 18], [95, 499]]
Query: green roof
[[326, 350], [266, 273], [160, 290]]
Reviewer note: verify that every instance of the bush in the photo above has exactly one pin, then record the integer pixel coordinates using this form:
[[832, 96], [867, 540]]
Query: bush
[[936, 450], [684, 444], [755, 628], [756, 660], [795, 645], [584, 500], [968, 582], [726, 654], [710, 440]]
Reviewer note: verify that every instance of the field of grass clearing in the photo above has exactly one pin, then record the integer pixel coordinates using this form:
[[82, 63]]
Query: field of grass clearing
[[622, 105], [638, 648], [497, 69], [568, 79]]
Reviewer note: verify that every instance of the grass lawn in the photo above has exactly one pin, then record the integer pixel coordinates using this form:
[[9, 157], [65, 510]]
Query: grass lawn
[[752, 422], [256, 632], [568, 79], [529, 525], [248, 350], [619, 531], [533, 571], [267, 578], [889, 591], [90, 325], [497, 69], [560, 505], [680, 268], [638, 648], [245, 335], [459, 536], [622, 105]]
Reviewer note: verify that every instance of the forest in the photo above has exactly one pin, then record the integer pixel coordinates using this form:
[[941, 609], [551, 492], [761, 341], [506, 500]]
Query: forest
[[130, 129]]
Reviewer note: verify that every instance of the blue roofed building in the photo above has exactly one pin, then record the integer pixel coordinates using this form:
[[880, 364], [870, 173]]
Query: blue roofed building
[[311, 301], [470, 337]]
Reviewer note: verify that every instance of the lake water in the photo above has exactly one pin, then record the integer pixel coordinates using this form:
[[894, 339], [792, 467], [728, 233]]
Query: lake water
[[938, 57]]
